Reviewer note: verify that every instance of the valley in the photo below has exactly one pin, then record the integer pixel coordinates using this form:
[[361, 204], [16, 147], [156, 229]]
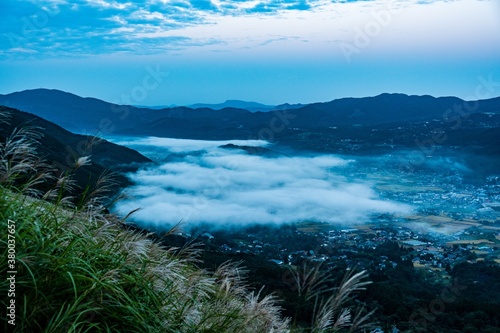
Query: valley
[[295, 166], [327, 187]]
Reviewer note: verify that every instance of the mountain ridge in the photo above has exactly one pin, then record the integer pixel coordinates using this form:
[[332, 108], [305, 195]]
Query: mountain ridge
[[234, 103], [92, 115]]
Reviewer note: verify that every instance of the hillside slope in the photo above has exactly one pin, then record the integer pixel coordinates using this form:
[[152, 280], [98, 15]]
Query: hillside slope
[[81, 274], [63, 148]]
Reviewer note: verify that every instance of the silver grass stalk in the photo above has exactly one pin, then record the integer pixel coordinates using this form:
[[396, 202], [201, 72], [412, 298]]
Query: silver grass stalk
[[332, 315]]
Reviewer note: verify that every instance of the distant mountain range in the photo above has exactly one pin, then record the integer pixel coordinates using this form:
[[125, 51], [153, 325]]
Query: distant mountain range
[[89, 114], [250, 106], [373, 121], [232, 103]]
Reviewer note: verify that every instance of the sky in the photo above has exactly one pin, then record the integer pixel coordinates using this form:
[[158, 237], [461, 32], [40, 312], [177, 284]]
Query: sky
[[205, 184], [164, 52]]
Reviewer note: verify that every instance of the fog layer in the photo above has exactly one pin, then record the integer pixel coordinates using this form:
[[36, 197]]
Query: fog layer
[[203, 183]]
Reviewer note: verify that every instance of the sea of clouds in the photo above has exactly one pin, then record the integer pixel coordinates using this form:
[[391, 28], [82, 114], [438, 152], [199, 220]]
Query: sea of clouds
[[198, 182]]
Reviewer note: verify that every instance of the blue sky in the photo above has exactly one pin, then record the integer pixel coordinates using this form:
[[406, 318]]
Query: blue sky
[[162, 52]]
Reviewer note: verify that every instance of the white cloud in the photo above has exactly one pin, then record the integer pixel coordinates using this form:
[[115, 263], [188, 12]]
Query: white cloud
[[183, 145], [22, 50], [247, 27], [146, 15], [221, 186], [109, 4]]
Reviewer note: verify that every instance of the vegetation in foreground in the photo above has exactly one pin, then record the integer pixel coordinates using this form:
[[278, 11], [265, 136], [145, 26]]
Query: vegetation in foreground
[[80, 270]]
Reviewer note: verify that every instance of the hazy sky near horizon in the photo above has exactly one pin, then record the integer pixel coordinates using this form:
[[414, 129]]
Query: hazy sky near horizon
[[162, 52]]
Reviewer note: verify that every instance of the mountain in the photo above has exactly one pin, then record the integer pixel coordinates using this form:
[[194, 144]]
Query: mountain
[[348, 114], [288, 106], [62, 148], [74, 113], [385, 109], [89, 114], [250, 106], [155, 107], [377, 121]]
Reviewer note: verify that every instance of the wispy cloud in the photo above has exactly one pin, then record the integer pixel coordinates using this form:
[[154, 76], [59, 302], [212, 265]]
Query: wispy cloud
[[108, 26], [211, 185]]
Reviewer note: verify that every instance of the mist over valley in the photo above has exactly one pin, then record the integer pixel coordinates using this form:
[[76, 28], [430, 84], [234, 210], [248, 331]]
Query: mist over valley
[[200, 182], [234, 183]]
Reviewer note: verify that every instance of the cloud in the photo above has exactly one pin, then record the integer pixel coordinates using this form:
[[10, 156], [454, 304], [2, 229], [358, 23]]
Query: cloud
[[109, 4], [180, 145], [207, 184], [90, 27]]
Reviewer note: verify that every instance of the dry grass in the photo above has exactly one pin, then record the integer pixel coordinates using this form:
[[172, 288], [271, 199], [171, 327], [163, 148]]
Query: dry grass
[[81, 271]]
